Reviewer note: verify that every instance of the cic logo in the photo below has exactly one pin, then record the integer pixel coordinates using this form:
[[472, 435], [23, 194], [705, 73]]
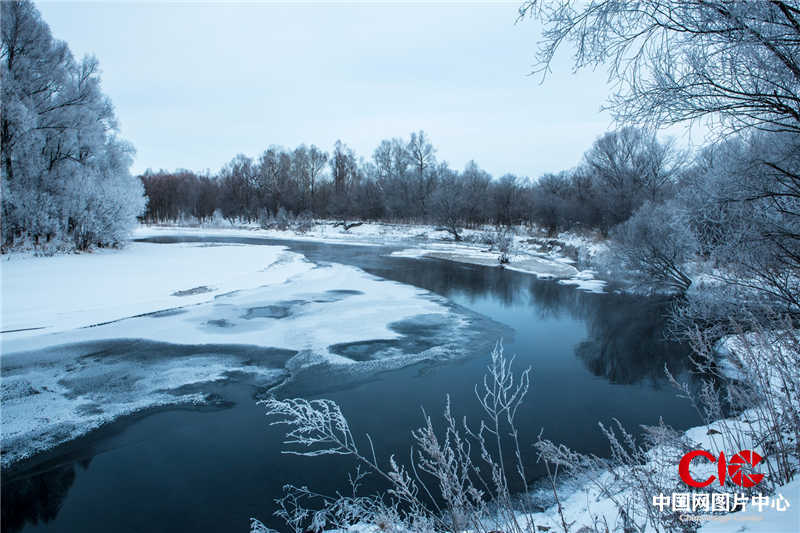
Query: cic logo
[[739, 469]]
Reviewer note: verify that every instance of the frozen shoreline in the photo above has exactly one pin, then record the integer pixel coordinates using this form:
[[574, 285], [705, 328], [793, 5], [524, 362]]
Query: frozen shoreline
[[528, 255]]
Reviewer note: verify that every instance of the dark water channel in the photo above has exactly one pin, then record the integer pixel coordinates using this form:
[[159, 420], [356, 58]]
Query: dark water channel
[[594, 356]]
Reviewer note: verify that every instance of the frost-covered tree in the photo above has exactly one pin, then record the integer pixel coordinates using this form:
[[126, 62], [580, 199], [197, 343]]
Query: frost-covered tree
[[65, 173], [745, 208], [655, 244], [735, 62]]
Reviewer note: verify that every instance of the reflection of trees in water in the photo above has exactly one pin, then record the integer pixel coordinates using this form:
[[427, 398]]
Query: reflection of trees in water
[[37, 498], [458, 279], [627, 342]]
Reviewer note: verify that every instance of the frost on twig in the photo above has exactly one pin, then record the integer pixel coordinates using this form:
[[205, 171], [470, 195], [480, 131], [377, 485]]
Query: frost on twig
[[317, 425]]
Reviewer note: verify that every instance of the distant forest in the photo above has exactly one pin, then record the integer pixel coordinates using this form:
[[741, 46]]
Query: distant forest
[[404, 181]]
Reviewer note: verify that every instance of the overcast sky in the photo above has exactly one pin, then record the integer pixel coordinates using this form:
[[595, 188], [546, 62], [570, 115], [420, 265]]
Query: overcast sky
[[196, 83]]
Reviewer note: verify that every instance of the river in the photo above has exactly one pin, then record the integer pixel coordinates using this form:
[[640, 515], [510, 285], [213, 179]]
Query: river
[[594, 357]]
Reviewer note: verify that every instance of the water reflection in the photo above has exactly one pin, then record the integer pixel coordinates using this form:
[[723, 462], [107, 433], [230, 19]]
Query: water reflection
[[37, 498], [614, 330], [626, 341]]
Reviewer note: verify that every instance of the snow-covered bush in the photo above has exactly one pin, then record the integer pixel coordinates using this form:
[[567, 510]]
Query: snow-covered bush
[[303, 223], [654, 246], [218, 220], [500, 239], [626, 482], [504, 244]]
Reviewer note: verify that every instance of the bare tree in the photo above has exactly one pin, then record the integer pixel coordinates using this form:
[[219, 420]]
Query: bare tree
[[423, 158], [422, 152], [629, 166], [448, 203], [317, 160], [735, 62]]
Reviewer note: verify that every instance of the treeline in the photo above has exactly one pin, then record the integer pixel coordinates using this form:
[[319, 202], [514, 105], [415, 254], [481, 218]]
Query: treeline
[[65, 173], [404, 181]]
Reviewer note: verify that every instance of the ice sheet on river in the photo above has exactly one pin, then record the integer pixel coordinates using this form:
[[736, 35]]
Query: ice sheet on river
[[51, 294], [334, 322]]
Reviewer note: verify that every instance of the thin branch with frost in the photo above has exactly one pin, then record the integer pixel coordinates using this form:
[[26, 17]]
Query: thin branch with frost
[[313, 423]]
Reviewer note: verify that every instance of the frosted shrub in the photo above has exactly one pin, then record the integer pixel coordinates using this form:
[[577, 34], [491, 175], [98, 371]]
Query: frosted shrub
[[500, 240], [504, 243], [218, 220], [654, 246], [264, 218], [303, 223], [762, 386], [282, 219], [444, 487]]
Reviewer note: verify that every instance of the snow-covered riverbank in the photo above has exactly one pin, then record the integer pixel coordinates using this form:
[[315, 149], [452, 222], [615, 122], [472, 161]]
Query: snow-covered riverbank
[[62, 292], [543, 258]]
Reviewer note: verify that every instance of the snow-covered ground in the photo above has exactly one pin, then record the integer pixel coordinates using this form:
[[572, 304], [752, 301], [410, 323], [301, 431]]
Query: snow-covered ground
[[542, 267], [93, 337], [63, 292], [588, 504]]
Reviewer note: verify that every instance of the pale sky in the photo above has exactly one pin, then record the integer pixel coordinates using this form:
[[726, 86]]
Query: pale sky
[[196, 83]]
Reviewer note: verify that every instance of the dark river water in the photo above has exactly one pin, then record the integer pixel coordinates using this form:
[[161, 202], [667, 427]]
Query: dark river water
[[595, 357]]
